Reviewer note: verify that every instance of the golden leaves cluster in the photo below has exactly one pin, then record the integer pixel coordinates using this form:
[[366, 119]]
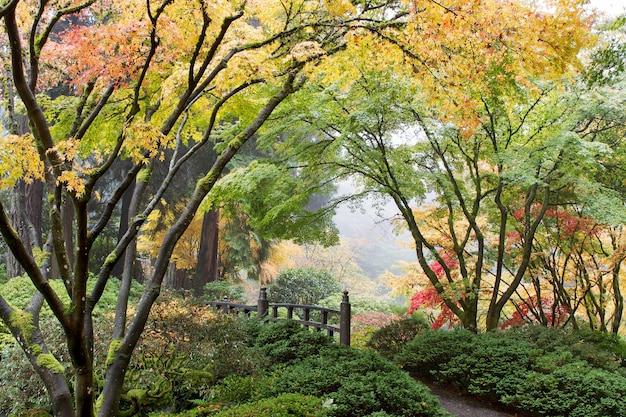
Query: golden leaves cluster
[[19, 159], [143, 140], [464, 50], [185, 255]]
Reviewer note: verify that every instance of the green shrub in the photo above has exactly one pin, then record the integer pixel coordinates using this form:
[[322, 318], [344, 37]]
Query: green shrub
[[302, 286], [604, 350], [217, 290], [544, 371], [284, 405], [478, 371], [238, 389], [287, 341], [429, 350], [358, 382], [574, 389], [388, 340]]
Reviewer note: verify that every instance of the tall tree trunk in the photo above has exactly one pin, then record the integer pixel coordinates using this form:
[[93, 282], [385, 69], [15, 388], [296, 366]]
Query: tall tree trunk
[[34, 210], [68, 229], [618, 299], [208, 256], [128, 264], [67, 216], [22, 201], [14, 268], [118, 270]]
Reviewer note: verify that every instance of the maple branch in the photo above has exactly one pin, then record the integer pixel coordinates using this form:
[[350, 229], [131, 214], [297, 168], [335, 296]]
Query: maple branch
[[155, 17], [80, 107], [8, 8], [193, 90], [446, 8], [80, 133], [41, 130]]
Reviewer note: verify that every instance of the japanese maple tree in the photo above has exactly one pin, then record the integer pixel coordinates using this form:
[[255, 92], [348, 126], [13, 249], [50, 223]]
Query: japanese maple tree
[[468, 110], [130, 87]]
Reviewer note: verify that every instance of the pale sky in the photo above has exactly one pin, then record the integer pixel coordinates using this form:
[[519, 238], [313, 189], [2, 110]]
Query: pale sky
[[610, 7]]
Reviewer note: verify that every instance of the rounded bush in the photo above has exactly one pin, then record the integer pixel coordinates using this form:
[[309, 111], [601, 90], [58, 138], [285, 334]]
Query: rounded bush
[[302, 286], [287, 341], [388, 340]]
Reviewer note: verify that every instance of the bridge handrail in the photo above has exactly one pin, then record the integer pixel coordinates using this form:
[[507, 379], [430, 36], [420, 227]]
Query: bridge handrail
[[269, 310]]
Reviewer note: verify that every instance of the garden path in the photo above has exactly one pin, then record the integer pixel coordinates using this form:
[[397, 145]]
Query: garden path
[[463, 405]]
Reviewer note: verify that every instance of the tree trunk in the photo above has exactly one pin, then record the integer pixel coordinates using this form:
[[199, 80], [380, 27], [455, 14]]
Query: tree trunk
[[68, 229], [24, 205], [618, 300], [206, 269], [136, 193], [14, 268], [118, 270], [34, 206]]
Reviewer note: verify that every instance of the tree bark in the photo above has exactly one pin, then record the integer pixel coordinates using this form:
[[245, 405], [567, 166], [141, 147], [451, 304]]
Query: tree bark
[[208, 255], [119, 268]]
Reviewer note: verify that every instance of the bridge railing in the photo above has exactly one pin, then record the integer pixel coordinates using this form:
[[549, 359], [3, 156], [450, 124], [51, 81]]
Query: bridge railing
[[321, 321]]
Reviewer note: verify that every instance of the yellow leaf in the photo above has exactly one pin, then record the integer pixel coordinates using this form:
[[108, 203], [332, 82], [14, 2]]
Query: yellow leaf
[[19, 159]]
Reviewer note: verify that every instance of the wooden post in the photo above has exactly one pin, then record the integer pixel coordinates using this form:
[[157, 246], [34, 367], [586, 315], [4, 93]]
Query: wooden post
[[225, 308], [263, 304], [344, 320], [307, 316]]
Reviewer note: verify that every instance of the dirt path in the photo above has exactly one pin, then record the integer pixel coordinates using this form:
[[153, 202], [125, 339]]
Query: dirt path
[[462, 405]]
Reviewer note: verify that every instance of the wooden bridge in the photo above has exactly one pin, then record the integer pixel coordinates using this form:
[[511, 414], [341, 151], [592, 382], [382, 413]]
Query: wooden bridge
[[270, 311]]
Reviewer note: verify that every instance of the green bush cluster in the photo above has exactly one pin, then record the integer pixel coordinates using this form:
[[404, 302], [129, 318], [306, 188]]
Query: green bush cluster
[[217, 290], [193, 361], [351, 382], [358, 382], [543, 371], [302, 286], [389, 340], [286, 342]]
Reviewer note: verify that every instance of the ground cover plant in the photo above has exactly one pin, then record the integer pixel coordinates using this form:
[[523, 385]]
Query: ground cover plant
[[541, 370]]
